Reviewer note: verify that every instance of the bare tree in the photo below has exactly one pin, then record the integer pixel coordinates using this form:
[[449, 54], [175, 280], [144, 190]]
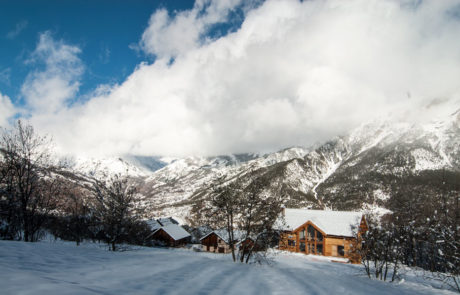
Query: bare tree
[[28, 185], [77, 211], [244, 205], [9, 218], [259, 210], [224, 209], [114, 200]]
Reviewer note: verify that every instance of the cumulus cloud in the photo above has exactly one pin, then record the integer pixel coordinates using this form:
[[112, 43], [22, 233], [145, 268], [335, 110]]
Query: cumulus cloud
[[295, 73], [168, 36], [49, 90], [7, 110]]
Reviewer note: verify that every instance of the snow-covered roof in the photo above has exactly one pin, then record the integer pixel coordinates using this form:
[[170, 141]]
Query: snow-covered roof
[[336, 223], [167, 221], [175, 231], [153, 224], [223, 234]]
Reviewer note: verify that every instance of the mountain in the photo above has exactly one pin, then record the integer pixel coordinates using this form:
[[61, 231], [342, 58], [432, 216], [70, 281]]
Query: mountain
[[131, 165], [384, 161], [370, 168], [172, 189]]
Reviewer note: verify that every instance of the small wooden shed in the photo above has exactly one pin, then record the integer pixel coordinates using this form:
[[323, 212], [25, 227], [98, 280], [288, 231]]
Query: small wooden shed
[[172, 235], [217, 241]]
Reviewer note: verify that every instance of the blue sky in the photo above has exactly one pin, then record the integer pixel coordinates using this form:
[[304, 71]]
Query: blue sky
[[103, 30], [212, 77]]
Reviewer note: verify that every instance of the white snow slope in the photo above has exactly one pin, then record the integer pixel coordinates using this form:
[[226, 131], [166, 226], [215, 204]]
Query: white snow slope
[[63, 268]]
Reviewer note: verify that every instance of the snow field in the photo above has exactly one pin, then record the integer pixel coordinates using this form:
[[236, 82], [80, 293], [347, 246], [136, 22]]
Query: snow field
[[63, 268]]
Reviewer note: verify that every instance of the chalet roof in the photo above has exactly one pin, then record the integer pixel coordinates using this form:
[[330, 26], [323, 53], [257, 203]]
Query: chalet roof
[[153, 224], [223, 234], [175, 231], [167, 221], [336, 223]]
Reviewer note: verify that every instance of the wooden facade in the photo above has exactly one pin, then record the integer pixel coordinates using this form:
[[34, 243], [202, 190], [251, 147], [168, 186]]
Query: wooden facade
[[164, 238], [310, 239], [217, 241], [214, 243]]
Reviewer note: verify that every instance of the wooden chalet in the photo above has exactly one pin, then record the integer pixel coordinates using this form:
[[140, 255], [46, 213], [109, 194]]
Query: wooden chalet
[[319, 232], [168, 234], [217, 241]]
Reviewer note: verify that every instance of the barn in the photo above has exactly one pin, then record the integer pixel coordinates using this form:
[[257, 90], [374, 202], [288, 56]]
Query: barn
[[321, 232], [217, 241], [172, 235]]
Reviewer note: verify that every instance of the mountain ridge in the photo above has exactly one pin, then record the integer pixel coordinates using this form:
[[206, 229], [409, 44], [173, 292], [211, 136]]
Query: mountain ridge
[[358, 171]]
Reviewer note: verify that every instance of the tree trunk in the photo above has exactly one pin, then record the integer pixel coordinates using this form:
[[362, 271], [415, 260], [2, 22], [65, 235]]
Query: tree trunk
[[243, 250], [232, 238], [249, 254], [395, 270]]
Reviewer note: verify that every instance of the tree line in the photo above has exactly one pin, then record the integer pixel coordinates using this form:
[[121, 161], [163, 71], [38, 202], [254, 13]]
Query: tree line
[[422, 231]]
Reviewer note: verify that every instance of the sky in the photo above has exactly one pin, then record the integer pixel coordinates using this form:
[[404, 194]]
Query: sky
[[208, 77]]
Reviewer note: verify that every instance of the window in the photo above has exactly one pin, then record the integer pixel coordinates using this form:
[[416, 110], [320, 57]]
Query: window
[[341, 250], [291, 243], [319, 236], [302, 247], [311, 233], [319, 249], [302, 234]]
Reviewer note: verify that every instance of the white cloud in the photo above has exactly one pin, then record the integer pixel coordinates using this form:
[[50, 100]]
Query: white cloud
[[48, 90], [295, 73], [168, 36], [7, 110]]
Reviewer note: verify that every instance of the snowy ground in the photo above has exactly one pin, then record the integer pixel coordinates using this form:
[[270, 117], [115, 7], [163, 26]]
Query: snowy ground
[[63, 268]]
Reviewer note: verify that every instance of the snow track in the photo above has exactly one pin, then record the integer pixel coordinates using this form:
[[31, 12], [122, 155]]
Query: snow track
[[63, 268]]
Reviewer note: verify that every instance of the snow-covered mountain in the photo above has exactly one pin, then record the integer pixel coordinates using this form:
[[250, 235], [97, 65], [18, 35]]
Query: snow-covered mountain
[[364, 169], [133, 166]]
